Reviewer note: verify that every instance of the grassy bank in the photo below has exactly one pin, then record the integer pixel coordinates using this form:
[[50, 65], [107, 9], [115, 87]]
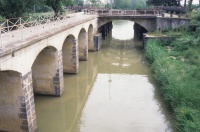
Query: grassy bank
[[176, 66]]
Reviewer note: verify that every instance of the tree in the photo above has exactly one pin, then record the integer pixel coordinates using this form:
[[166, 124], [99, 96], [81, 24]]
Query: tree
[[122, 4], [190, 5], [94, 2], [55, 4], [164, 2], [185, 3], [14, 8], [79, 2], [129, 4]]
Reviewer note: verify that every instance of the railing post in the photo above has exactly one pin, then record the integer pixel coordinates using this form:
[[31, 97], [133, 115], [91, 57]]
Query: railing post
[[37, 29], [1, 43], [39, 19], [7, 24], [20, 23]]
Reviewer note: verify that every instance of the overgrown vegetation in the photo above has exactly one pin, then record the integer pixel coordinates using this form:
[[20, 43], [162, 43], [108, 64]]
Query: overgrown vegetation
[[176, 66]]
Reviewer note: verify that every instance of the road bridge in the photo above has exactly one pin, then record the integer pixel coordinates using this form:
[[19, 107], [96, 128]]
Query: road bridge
[[35, 52], [145, 20]]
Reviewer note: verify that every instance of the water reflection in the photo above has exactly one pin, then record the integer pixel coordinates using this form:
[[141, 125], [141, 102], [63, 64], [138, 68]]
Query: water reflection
[[113, 92], [122, 32]]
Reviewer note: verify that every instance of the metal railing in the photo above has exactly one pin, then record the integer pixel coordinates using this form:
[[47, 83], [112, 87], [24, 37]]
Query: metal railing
[[128, 13], [20, 29]]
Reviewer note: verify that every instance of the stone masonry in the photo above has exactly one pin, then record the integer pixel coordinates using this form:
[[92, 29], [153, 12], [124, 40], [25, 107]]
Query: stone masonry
[[75, 56], [27, 110], [58, 78]]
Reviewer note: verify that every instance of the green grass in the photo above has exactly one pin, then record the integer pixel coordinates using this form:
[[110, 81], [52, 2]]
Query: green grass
[[178, 72]]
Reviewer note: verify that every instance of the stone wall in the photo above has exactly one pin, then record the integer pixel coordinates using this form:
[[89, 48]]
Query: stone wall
[[97, 41], [170, 23], [146, 38]]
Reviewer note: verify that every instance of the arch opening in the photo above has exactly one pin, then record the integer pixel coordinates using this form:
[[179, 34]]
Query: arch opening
[[70, 55], [83, 45], [142, 25], [46, 72]]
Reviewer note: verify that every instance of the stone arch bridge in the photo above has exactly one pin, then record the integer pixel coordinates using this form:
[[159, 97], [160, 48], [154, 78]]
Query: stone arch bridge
[[145, 20], [34, 58]]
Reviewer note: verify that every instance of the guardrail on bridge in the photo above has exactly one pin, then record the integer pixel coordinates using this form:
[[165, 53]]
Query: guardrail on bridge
[[22, 28], [123, 12]]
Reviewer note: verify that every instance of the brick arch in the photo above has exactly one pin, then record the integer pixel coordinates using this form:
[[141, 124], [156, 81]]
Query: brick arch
[[47, 72]]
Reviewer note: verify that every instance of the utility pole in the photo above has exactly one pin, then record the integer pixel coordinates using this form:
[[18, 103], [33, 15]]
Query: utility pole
[[111, 6]]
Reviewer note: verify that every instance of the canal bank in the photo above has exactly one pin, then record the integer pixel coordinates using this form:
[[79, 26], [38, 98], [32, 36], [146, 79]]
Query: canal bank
[[176, 67], [113, 92]]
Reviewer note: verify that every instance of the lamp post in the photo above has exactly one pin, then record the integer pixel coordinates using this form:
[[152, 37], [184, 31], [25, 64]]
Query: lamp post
[[111, 6]]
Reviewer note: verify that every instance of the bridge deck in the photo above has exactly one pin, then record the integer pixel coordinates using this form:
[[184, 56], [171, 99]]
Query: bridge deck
[[129, 16], [13, 40]]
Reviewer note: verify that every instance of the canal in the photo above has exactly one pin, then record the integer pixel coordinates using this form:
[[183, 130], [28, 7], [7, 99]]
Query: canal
[[113, 92]]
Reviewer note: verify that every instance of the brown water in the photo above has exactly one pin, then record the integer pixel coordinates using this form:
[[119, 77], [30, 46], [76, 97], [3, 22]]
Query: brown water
[[113, 92]]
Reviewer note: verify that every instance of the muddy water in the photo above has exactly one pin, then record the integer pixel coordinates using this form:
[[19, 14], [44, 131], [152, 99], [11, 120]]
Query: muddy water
[[113, 92]]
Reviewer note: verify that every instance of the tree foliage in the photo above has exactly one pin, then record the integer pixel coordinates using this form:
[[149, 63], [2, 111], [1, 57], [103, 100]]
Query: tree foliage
[[56, 5], [129, 4], [164, 2], [92, 3], [78, 2], [14, 8]]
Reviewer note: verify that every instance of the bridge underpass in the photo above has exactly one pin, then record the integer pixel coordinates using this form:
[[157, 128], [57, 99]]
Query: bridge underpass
[[36, 64]]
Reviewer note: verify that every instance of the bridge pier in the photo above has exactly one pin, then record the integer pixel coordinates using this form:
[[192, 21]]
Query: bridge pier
[[48, 72], [91, 45], [17, 107], [138, 31], [70, 55], [97, 41], [105, 29], [110, 26], [83, 45]]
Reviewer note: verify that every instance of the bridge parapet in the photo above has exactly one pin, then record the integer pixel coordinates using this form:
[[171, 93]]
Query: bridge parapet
[[103, 12], [130, 12], [18, 30]]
